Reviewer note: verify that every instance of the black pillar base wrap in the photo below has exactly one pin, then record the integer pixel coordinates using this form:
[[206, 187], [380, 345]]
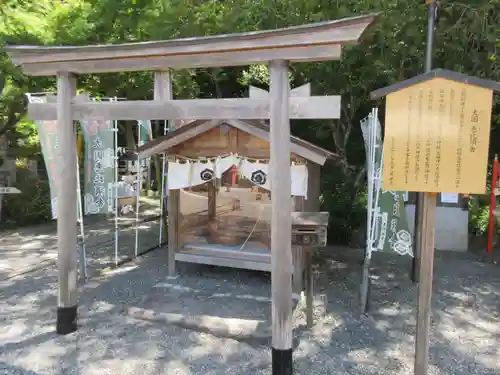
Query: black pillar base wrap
[[282, 361], [66, 320]]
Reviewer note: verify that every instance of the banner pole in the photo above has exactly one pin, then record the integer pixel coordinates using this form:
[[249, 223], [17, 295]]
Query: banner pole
[[162, 196], [115, 155], [371, 208], [139, 183], [83, 258]]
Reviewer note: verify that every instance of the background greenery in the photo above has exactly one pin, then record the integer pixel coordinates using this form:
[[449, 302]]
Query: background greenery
[[467, 40]]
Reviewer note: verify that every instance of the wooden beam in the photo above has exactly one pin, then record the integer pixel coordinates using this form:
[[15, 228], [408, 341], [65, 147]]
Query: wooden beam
[[341, 31], [312, 42], [281, 220], [183, 61], [297, 92], [66, 208], [315, 107]]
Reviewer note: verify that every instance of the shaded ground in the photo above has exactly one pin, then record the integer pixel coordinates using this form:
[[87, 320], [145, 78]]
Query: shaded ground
[[464, 339], [25, 248]]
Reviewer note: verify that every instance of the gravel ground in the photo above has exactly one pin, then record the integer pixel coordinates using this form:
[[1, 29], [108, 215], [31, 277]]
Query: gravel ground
[[464, 339]]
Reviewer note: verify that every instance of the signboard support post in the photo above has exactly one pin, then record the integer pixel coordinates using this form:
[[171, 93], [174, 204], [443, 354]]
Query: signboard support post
[[425, 217], [431, 22], [493, 204]]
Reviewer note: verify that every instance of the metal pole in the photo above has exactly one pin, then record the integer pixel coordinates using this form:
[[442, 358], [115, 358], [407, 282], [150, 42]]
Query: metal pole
[[431, 22], [83, 255], [116, 164], [139, 186], [425, 233], [371, 210]]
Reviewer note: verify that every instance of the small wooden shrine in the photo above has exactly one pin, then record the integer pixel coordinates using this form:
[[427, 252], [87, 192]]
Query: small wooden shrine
[[215, 218]]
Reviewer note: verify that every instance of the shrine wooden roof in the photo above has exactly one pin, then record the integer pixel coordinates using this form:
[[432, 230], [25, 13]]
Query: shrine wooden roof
[[303, 148]]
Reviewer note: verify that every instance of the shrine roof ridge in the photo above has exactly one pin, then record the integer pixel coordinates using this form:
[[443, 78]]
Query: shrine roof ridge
[[162, 143], [436, 73], [310, 42]]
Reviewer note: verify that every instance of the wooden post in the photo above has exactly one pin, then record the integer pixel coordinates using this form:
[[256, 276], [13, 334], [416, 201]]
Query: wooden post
[[163, 91], [66, 207], [309, 286], [212, 200], [281, 220], [493, 204], [298, 269], [312, 203], [425, 238], [234, 171], [425, 286]]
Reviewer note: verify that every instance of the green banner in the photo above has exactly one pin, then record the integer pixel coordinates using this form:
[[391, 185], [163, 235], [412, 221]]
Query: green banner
[[145, 132], [99, 166], [389, 223], [47, 132]]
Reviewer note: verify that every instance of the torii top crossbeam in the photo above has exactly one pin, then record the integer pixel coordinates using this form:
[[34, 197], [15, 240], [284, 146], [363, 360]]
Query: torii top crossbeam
[[311, 42]]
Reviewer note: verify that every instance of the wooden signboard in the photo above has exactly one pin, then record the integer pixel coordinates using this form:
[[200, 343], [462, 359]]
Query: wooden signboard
[[437, 137], [436, 140]]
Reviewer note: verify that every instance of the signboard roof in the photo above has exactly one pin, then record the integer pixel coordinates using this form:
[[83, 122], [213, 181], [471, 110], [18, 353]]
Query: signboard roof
[[436, 73]]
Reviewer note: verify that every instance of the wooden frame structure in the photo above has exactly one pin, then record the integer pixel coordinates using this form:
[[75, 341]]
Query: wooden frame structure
[[247, 139], [313, 42]]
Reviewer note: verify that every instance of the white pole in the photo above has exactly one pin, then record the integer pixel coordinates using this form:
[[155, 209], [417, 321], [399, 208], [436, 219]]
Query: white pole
[[373, 130], [371, 207], [370, 185], [377, 181], [139, 183], [162, 197], [115, 157], [83, 257]]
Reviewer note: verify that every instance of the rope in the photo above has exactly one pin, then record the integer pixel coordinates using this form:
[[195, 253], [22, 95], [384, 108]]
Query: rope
[[253, 229]]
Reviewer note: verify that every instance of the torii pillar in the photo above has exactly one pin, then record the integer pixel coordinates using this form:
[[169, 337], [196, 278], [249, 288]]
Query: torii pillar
[[67, 170]]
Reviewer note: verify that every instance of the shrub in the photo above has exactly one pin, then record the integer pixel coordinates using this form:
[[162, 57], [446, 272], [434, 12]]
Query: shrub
[[31, 206], [479, 211], [346, 204]]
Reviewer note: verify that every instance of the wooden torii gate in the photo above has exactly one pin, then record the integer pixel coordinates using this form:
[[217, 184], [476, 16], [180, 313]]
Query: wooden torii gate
[[313, 42]]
